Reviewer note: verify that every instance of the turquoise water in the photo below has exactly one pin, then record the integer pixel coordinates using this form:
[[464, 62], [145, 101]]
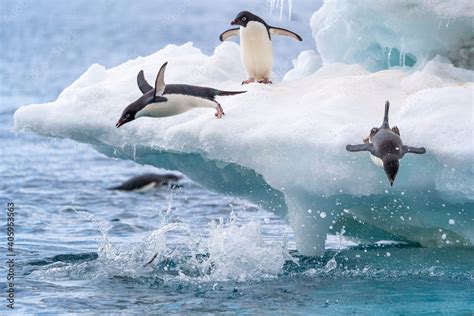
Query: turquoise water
[[82, 248]]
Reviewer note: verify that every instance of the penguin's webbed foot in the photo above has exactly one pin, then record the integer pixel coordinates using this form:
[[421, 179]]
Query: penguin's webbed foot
[[220, 111], [249, 80], [396, 130], [265, 81]]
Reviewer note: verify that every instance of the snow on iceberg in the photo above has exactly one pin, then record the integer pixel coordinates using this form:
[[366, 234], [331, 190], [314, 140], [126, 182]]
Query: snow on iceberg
[[283, 146], [307, 63], [382, 34]]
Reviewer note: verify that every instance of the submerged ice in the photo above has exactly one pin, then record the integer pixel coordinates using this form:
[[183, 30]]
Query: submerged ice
[[283, 146]]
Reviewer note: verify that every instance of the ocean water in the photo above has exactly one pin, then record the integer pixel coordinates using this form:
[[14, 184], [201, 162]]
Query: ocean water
[[82, 248]]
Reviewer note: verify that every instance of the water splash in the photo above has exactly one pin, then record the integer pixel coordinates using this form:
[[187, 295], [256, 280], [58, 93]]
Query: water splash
[[240, 253], [228, 251], [174, 254]]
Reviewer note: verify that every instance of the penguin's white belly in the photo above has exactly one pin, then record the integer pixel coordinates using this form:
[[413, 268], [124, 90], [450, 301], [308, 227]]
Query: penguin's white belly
[[376, 160], [146, 188], [256, 50], [176, 104]]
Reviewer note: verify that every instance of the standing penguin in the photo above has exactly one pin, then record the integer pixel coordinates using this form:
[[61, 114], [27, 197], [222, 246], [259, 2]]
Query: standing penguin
[[386, 147], [256, 45], [170, 99]]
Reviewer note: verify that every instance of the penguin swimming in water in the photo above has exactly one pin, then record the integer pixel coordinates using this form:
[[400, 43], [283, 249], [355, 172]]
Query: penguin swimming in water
[[386, 147], [148, 181], [170, 99], [256, 45]]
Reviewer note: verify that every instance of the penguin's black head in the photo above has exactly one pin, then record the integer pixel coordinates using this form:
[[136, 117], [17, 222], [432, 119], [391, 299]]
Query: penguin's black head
[[128, 115], [390, 166], [245, 17], [130, 112]]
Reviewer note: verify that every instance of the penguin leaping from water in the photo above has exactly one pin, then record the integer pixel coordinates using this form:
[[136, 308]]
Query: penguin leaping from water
[[386, 147], [256, 45], [170, 99]]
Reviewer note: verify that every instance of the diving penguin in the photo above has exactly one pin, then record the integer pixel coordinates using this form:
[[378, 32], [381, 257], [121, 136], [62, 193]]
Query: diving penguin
[[386, 147], [170, 99], [256, 45], [148, 181]]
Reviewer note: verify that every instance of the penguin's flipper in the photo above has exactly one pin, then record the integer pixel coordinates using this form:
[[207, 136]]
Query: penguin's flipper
[[160, 81], [413, 150], [143, 85], [229, 33], [360, 147], [284, 32]]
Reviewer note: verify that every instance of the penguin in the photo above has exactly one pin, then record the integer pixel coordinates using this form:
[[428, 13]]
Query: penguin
[[386, 147], [170, 99], [147, 181], [256, 45]]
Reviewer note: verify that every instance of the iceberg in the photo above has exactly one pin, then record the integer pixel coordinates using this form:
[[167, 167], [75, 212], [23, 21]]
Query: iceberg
[[384, 34], [282, 146]]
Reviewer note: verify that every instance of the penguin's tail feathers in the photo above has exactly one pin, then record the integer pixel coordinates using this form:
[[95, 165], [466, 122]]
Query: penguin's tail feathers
[[221, 93], [385, 117]]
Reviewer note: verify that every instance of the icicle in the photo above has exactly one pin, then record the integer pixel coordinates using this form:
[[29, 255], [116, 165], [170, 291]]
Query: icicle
[[400, 58], [389, 56], [383, 56], [272, 5], [290, 9], [282, 3]]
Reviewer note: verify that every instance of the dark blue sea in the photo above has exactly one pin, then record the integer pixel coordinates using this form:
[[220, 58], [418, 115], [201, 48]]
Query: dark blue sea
[[80, 248]]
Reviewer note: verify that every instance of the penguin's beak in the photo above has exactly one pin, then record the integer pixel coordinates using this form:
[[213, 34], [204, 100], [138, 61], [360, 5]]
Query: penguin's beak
[[391, 178], [233, 22], [120, 122]]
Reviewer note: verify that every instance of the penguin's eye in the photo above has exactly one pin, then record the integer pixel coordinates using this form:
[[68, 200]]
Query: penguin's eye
[[244, 18], [127, 115]]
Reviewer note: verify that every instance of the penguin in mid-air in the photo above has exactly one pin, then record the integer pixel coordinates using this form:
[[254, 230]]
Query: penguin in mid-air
[[170, 99], [256, 45], [386, 147]]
